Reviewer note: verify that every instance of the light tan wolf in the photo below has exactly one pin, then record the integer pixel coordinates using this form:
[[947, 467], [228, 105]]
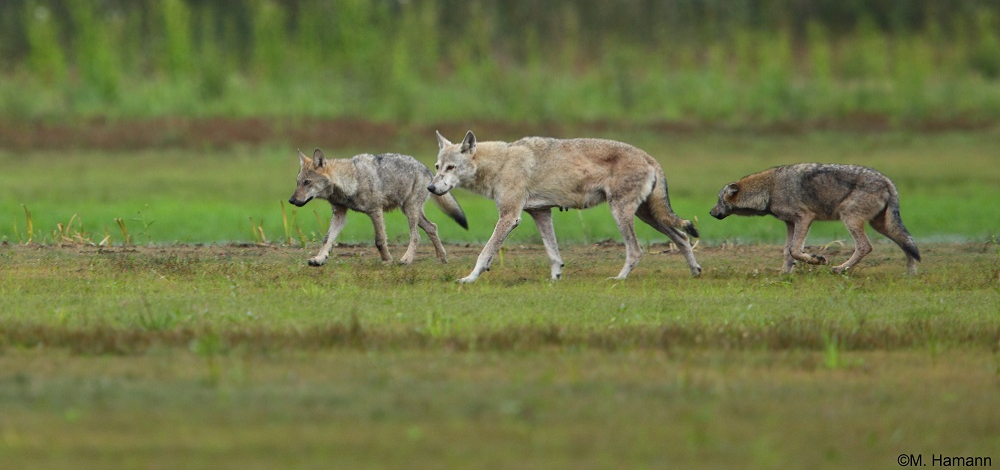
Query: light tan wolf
[[536, 174], [372, 184], [799, 194]]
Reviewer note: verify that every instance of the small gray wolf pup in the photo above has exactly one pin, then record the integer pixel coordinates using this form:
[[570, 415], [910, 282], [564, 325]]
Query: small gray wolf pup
[[536, 174], [372, 184], [799, 194]]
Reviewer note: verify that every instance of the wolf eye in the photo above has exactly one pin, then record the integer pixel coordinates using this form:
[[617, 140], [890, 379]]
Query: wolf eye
[[449, 168], [306, 182], [437, 167]]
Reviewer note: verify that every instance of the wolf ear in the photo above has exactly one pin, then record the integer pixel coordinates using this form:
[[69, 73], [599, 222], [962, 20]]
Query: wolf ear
[[303, 159], [442, 142], [469, 143], [318, 158], [732, 189]]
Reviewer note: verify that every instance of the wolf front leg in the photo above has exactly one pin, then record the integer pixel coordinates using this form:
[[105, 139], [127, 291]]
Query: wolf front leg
[[798, 242], [789, 265], [508, 220], [337, 223]]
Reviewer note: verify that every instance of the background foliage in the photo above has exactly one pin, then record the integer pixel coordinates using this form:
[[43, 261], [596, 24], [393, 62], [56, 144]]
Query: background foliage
[[704, 61]]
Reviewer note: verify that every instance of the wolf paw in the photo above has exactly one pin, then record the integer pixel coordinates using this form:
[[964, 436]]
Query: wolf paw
[[817, 259], [317, 261], [838, 269], [466, 280]]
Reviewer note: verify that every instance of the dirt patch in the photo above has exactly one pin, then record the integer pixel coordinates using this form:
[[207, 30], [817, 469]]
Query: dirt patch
[[219, 132]]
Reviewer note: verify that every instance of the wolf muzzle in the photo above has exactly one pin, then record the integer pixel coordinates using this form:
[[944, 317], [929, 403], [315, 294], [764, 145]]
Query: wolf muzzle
[[718, 213], [434, 189], [297, 202]]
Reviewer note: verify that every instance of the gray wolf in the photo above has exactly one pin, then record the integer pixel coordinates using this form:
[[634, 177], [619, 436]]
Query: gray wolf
[[372, 184], [535, 174], [799, 194]]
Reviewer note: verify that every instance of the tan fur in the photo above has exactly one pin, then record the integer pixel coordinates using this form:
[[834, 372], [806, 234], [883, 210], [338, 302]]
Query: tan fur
[[536, 174], [800, 194]]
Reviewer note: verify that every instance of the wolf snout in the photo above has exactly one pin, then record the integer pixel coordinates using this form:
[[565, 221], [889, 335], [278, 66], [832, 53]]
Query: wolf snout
[[717, 213], [434, 189], [297, 202]]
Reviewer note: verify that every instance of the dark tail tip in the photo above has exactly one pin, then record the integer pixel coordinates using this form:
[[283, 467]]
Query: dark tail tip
[[911, 250], [460, 218], [689, 228]]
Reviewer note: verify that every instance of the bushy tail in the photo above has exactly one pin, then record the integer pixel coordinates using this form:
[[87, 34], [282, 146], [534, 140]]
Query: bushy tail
[[659, 205], [897, 231], [450, 206]]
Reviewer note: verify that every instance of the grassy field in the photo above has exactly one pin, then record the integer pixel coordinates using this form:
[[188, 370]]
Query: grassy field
[[225, 352], [947, 183], [244, 357]]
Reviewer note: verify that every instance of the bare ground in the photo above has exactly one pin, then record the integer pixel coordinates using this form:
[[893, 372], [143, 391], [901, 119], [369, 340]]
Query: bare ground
[[220, 132]]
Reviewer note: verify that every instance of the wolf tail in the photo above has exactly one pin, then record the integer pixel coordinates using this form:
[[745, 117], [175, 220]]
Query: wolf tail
[[894, 228], [450, 206], [659, 205]]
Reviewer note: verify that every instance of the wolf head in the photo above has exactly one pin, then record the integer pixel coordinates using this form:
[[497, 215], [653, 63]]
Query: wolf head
[[727, 201], [454, 164], [748, 196], [313, 179]]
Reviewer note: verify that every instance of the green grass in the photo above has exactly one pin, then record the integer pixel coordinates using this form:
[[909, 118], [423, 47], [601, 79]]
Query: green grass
[[947, 183], [238, 355], [234, 357]]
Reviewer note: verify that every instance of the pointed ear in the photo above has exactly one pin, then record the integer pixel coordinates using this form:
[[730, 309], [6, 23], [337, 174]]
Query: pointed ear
[[469, 143], [303, 159], [732, 189], [318, 158], [442, 142]]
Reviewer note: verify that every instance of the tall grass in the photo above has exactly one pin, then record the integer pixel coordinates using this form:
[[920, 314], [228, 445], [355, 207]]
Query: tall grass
[[434, 60]]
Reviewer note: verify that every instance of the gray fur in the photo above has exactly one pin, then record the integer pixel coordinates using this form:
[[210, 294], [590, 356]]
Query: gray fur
[[372, 184]]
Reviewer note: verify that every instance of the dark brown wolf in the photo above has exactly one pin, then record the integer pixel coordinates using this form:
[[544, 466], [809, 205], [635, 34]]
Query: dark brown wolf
[[799, 194]]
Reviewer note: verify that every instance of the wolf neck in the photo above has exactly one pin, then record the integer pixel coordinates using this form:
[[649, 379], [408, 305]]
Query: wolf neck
[[756, 198], [343, 179], [489, 163]]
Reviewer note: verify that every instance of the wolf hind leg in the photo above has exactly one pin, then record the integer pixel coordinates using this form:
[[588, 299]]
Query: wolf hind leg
[[624, 214], [679, 238], [378, 221], [543, 220], [413, 215], [862, 246], [432, 232]]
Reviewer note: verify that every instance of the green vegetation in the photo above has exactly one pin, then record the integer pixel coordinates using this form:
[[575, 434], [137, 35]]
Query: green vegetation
[[228, 357], [947, 185], [145, 353], [156, 309], [777, 62]]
